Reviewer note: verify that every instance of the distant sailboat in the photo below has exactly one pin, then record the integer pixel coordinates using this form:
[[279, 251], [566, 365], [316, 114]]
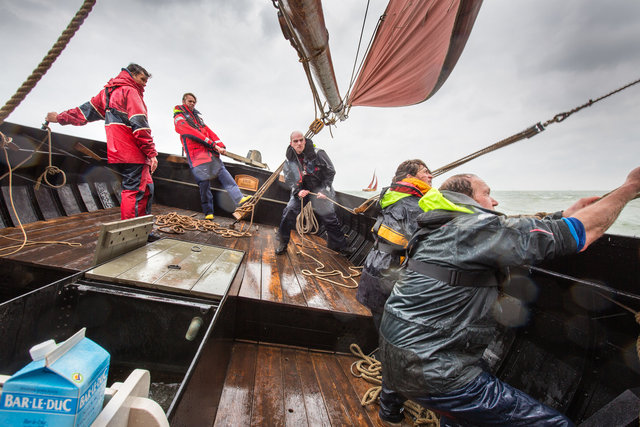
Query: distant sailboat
[[373, 185]]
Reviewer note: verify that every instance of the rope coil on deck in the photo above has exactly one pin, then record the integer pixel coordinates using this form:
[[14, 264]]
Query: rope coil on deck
[[174, 223], [307, 223], [370, 369]]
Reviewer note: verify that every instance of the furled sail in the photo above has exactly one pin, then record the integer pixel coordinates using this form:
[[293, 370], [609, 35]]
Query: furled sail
[[414, 51]]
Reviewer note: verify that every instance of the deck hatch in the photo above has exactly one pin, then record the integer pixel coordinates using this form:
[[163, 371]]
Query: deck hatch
[[173, 265]]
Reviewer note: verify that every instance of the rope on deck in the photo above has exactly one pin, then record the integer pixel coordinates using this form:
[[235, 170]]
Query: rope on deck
[[307, 223], [175, 223], [370, 369]]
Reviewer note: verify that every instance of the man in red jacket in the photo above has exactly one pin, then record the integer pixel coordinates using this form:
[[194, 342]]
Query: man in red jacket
[[203, 148], [130, 147]]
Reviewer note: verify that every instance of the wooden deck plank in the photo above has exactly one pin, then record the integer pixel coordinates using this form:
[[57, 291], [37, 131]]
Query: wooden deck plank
[[333, 300], [360, 387], [268, 401], [313, 401], [236, 400], [271, 287], [294, 406], [251, 282], [338, 413], [350, 399]]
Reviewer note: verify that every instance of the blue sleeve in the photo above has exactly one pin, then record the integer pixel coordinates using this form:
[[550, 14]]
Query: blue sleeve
[[577, 231]]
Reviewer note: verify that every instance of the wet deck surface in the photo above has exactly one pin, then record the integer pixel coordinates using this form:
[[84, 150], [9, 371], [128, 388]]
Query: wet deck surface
[[277, 386], [262, 275]]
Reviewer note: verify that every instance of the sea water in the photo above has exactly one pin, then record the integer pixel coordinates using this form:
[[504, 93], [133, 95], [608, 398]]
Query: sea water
[[530, 202]]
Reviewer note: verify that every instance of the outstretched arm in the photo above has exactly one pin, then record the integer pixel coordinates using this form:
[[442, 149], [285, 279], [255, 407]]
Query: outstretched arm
[[599, 216]]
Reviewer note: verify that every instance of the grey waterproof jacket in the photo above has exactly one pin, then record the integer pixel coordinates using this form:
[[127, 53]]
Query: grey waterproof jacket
[[433, 335]]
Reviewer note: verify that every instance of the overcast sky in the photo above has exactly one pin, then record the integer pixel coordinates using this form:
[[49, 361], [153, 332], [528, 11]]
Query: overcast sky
[[524, 62]]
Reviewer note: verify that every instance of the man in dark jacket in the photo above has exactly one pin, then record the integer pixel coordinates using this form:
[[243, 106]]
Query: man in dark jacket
[[392, 231], [439, 318], [203, 148], [130, 146], [307, 170]]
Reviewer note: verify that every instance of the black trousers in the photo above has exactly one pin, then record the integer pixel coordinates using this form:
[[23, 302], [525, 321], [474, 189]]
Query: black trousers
[[326, 214]]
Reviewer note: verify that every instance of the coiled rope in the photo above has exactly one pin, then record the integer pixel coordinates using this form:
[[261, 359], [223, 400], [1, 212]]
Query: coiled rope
[[175, 223], [307, 223], [51, 169], [370, 369], [48, 60]]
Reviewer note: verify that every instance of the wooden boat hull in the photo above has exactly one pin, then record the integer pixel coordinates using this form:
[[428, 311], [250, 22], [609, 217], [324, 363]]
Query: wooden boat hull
[[565, 345]]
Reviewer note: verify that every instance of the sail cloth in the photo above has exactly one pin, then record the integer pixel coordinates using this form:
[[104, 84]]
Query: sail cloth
[[414, 51]]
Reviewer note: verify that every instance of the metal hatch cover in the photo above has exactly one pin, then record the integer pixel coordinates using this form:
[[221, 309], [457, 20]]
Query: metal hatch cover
[[176, 266]]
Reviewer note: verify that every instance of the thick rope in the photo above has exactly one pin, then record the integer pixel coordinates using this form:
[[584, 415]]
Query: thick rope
[[370, 369], [47, 61], [174, 223], [51, 169], [527, 133]]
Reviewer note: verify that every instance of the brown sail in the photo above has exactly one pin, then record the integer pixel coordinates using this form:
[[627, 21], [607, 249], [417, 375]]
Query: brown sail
[[414, 51]]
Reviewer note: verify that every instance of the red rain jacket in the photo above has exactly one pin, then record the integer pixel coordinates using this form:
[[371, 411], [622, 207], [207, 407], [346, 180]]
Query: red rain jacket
[[196, 137], [129, 137]]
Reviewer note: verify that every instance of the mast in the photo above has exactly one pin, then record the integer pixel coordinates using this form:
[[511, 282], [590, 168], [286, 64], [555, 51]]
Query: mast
[[306, 19]]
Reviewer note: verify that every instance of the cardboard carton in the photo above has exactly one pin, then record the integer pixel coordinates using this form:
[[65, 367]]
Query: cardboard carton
[[63, 386]]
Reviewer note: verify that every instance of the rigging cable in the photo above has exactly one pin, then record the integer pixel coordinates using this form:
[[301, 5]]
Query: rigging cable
[[527, 133], [355, 73]]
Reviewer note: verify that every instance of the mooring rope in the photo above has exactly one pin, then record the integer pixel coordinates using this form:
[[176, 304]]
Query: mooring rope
[[48, 60], [369, 368]]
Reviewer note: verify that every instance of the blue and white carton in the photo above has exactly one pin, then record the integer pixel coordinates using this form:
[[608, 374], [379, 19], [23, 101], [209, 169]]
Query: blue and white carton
[[63, 386]]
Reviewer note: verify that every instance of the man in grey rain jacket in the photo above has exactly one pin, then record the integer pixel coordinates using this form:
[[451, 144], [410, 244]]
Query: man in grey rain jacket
[[440, 316]]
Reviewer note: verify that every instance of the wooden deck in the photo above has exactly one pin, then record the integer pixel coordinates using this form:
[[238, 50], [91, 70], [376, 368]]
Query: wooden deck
[[263, 276], [279, 385]]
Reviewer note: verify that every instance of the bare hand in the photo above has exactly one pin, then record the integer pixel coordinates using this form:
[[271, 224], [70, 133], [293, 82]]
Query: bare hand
[[221, 150], [322, 196], [52, 117], [154, 164], [303, 193], [585, 201]]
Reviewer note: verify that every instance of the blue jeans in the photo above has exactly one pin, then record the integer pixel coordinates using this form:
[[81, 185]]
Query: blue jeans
[[204, 173], [485, 401]]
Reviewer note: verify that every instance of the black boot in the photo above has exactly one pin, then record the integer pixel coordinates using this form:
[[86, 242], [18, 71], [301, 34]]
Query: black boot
[[282, 248]]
